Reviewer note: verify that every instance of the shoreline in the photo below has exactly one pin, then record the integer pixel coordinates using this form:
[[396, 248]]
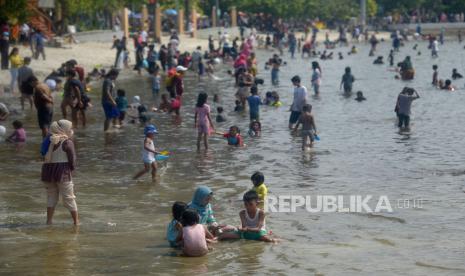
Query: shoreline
[[95, 50]]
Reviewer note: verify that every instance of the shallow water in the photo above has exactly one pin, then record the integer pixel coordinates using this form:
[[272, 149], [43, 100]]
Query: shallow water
[[361, 152]]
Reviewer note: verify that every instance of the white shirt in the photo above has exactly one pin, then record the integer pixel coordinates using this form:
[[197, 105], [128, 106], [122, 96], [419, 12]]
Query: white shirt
[[51, 83], [300, 98], [25, 28], [144, 35], [435, 46]]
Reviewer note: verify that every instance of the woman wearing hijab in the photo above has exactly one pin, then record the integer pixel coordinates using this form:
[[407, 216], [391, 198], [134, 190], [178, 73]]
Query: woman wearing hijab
[[60, 161], [201, 203]]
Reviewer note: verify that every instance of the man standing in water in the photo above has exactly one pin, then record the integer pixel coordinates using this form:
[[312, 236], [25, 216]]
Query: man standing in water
[[300, 99], [404, 104], [108, 99], [43, 101]]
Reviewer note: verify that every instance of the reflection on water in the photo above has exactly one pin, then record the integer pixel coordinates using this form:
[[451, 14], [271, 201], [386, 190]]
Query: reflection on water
[[361, 152]]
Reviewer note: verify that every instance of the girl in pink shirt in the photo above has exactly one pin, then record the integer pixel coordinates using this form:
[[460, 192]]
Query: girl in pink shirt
[[19, 135], [203, 122], [194, 236]]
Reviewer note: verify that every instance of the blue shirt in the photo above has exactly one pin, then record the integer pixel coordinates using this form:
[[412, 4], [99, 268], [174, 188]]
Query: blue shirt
[[254, 103], [172, 233], [156, 82], [121, 103]]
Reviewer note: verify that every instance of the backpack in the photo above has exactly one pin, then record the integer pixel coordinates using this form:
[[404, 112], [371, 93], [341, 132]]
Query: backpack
[[169, 78]]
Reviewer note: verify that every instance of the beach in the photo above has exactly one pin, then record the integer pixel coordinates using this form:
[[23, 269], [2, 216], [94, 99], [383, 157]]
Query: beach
[[94, 50]]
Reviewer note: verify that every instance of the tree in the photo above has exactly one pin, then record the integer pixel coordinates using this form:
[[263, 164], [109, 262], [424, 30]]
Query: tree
[[13, 11]]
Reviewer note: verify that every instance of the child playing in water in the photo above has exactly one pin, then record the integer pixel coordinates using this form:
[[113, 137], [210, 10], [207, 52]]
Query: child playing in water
[[316, 77], [149, 152], [202, 119], [254, 104], [360, 97], [435, 75], [239, 107], [456, 75], [347, 81], [220, 117], [255, 129], [252, 221], [354, 50], [122, 104], [268, 98], [276, 101], [308, 126], [194, 236], [156, 79], [19, 135], [258, 181], [175, 226], [448, 86], [233, 136], [391, 58]]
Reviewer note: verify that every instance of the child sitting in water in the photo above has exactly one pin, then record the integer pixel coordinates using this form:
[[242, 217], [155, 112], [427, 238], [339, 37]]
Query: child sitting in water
[[149, 152], [233, 136], [455, 74], [19, 135], [268, 98], [258, 181], [308, 126], [194, 236], [239, 107], [252, 221], [220, 117], [175, 226], [360, 96], [448, 86], [255, 129], [354, 50], [379, 60], [435, 75], [276, 101]]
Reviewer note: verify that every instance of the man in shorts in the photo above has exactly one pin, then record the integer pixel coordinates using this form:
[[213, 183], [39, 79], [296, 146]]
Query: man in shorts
[[300, 99], [43, 101]]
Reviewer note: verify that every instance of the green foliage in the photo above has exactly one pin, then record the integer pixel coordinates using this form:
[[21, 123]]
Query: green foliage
[[13, 10], [372, 8]]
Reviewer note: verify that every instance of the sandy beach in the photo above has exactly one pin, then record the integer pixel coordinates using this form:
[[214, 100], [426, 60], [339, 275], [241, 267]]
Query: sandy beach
[[93, 50]]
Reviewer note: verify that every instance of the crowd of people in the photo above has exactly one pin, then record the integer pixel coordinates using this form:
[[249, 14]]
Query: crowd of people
[[193, 228]]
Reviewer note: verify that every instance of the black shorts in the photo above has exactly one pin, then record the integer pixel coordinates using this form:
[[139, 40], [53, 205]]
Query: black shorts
[[44, 116], [294, 117]]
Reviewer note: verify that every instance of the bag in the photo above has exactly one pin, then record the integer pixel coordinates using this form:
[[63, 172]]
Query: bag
[[169, 78]]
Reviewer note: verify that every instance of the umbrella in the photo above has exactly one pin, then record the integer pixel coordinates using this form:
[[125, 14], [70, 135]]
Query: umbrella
[[171, 12]]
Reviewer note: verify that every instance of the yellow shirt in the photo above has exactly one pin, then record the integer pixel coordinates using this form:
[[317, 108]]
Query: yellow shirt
[[16, 61], [262, 191], [277, 104]]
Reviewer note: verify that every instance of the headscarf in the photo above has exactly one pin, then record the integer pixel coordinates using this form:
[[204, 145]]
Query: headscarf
[[60, 131], [197, 203], [241, 61]]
